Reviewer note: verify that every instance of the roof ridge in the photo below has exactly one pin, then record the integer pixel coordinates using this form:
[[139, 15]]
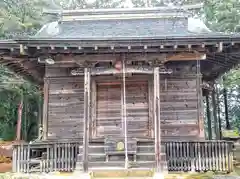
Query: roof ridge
[[115, 11]]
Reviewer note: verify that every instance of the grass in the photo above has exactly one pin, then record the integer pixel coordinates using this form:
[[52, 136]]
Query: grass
[[170, 175]]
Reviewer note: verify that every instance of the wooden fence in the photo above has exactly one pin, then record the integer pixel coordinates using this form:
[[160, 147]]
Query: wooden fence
[[180, 156], [38, 157], [200, 156]]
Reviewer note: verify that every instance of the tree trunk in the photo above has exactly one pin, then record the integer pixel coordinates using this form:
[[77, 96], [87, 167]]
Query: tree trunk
[[19, 121]]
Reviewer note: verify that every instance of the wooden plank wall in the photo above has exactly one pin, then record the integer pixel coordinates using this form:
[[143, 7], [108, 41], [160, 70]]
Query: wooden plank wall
[[65, 107], [137, 105], [178, 97], [108, 106], [108, 110]]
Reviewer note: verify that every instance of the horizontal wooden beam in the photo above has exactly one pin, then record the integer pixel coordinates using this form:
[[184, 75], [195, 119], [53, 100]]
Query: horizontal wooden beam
[[22, 67], [186, 57], [60, 60], [128, 70]]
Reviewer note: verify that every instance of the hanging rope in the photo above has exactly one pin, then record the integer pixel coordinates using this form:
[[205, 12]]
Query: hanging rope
[[125, 114]]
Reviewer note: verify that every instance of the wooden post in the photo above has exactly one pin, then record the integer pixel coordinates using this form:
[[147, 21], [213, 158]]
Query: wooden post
[[218, 112], [40, 114], [45, 109], [214, 106], [156, 111], [86, 117], [209, 122], [199, 101], [226, 105]]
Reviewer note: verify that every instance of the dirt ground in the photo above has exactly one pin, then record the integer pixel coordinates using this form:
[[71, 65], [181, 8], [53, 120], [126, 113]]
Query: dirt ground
[[5, 155], [5, 167]]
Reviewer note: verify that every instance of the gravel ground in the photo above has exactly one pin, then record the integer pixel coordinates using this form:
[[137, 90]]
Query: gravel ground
[[225, 177]]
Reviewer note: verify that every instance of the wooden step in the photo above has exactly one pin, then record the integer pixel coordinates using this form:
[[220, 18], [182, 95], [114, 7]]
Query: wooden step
[[93, 149], [145, 149], [100, 148], [140, 148]]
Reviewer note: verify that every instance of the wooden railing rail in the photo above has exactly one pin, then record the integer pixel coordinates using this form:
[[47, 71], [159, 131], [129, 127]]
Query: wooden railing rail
[[39, 157], [200, 156], [180, 156]]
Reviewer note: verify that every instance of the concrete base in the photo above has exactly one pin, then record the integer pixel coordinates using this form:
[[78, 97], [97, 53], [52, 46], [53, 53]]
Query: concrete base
[[82, 175], [158, 175]]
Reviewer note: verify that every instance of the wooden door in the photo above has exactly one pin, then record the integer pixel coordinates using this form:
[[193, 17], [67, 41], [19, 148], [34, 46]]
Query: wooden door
[[137, 105], [108, 109], [108, 120]]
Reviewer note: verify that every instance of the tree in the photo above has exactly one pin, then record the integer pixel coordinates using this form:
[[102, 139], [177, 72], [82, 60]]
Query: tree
[[222, 15], [12, 88], [20, 17]]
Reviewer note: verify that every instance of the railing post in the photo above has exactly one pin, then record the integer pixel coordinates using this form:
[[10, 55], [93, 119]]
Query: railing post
[[14, 159], [192, 156]]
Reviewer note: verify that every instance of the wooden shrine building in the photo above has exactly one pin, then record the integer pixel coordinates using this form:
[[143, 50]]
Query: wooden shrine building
[[112, 77]]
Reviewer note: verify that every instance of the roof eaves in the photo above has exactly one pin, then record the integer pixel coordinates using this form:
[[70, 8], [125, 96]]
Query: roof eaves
[[191, 37]]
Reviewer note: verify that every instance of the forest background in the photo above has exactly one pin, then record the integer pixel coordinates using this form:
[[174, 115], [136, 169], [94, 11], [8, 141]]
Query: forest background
[[25, 17]]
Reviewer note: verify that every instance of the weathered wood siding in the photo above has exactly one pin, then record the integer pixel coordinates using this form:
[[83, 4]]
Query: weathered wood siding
[[108, 110], [65, 104], [65, 115], [178, 95], [109, 94], [178, 108], [137, 105]]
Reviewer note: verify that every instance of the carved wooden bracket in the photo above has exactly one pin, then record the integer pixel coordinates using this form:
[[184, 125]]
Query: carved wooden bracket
[[128, 70]]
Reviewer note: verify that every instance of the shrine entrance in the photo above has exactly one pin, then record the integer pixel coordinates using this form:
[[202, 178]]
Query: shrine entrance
[[107, 119]]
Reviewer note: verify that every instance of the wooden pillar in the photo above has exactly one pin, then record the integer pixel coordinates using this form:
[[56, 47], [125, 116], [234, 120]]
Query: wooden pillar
[[156, 111], [218, 114], [40, 114], [209, 122], [200, 116], [215, 119], [226, 105], [45, 109], [86, 117]]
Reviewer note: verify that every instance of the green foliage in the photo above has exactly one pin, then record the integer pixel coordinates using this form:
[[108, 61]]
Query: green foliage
[[20, 17], [223, 15], [12, 89]]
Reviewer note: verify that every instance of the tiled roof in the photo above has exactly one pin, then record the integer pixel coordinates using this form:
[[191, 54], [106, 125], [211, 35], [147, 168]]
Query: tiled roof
[[117, 24]]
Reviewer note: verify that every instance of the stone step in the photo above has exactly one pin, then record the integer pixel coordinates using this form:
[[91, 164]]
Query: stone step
[[140, 148], [139, 157], [123, 178], [121, 164], [122, 173]]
